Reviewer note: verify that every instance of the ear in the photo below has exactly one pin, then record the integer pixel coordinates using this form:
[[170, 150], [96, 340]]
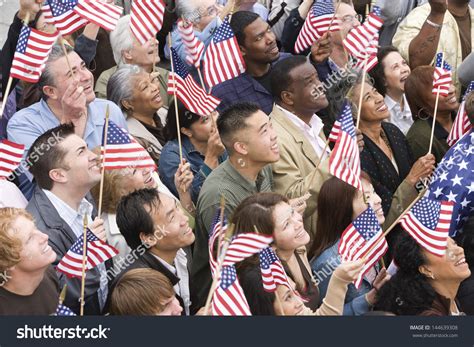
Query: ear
[[127, 55], [51, 92], [243, 50], [287, 98], [127, 105], [424, 270], [148, 239], [186, 132], [241, 148], [58, 175]]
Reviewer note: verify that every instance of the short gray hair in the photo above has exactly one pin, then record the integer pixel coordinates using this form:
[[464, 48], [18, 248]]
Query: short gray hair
[[47, 78], [121, 38], [119, 86], [187, 9]]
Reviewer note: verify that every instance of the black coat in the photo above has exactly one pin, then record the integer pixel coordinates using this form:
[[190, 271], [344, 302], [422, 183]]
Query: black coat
[[379, 167]]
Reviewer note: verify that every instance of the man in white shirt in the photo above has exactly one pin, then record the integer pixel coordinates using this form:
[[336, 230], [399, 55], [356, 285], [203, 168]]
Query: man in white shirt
[[156, 227], [65, 170], [301, 140]]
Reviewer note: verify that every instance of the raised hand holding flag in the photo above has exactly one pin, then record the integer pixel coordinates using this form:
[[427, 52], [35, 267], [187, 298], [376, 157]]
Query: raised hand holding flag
[[194, 46]]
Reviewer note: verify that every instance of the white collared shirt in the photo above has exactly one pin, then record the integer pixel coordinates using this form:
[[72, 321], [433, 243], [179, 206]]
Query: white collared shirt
[[75, 222], [401, 118], [310, 131], [180, 269]]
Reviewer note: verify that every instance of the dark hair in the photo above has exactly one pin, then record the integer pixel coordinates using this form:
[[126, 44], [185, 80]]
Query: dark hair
[[46, 154], [186, 119], [416, 85], [232, 120], [241, 20], [334, 213], [408, 292], [133, 217], [466, 241], [256, 211], [280, 75], [469, 107], [260, 301], [377, 73]]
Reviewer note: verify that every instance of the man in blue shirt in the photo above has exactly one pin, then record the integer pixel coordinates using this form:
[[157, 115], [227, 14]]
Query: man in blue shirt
[[66, 98]]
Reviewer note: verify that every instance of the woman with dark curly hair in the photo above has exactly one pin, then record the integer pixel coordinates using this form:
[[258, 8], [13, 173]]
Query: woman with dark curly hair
[[425, 284], [466, 290]]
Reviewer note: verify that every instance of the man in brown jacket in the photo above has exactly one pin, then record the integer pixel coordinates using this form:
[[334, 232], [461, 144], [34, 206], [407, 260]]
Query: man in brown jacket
[[300, 133]]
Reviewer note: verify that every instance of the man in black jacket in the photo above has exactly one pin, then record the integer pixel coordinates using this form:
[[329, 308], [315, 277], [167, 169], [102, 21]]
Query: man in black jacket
[[157, 230], [65, 170]]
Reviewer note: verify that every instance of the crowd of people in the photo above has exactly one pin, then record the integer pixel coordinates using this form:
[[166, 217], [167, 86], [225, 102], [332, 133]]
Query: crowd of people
[[261, 158]]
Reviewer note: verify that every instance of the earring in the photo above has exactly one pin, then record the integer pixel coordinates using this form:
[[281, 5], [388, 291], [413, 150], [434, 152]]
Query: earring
[[419, 114]]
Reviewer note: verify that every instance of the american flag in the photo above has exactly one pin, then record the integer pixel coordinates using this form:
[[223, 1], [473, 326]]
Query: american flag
[[97, 253], [146, 19], [370, 55], [442, 79], [63, 16], [194, 47], [461, 123], [182, 84], [320, 17], [453, 180], [10, 157], [363, 239], [360, 38], [429, 222], [273, 273], [122, 151], [244, 245], [344, 162], [48, 15], [62, 310], [223, 59], [31, 54], [217, 229], [229, 299], [103, 14]]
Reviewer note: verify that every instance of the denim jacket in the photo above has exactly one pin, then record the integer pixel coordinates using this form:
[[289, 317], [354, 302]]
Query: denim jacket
[[169, 162], [323, 267]]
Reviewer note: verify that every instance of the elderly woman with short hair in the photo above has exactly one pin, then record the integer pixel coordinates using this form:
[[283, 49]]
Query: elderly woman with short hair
[[137, 93], [128, 50]]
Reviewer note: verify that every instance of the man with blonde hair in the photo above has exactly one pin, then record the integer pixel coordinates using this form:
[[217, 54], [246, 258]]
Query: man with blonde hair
[[28, 282]]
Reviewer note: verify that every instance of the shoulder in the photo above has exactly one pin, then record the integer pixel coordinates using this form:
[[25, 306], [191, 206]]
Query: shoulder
[[392, 130], [25, 115]]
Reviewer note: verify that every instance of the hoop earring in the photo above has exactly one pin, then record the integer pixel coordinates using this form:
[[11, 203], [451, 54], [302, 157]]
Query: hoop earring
[[419, 114]]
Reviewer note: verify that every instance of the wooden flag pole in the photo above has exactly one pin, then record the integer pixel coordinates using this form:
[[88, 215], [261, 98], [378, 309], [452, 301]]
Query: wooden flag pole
[[178, 127], [102, 161], [10, 78], [65, 55], [334, 16], [221, 235], [359, 107], [62, 296], [435, 112], [220, 261], [84, 264]]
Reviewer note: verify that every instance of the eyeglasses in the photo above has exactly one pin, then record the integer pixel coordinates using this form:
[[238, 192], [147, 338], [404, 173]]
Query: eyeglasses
[[211, 11], [352, 19]]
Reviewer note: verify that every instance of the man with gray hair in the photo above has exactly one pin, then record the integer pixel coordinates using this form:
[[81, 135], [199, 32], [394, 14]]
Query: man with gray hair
[[66, 98], [128, 50], [205, 15]]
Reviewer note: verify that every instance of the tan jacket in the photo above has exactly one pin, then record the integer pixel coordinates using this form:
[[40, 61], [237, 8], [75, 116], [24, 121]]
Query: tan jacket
[[294, 174], [145, 138]]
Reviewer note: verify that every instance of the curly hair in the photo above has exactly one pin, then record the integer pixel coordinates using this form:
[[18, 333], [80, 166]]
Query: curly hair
[[408, 292]]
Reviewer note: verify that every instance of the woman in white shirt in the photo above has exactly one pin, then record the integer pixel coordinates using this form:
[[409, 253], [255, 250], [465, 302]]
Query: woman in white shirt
[[389, 80]]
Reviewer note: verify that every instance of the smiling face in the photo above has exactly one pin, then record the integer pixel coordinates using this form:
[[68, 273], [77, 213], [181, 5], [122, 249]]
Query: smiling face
[[373, 109], [258, 141], [36, 254], [135, 179], [146, 99], [291, 303], [372, 198], [446, 104], [289, 233], [142, 55], [303, 91], [63, 78], [260, 43], [349, 20], [450, 268], [172, 230], [172, 307], [396, 72], [80, 167]]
